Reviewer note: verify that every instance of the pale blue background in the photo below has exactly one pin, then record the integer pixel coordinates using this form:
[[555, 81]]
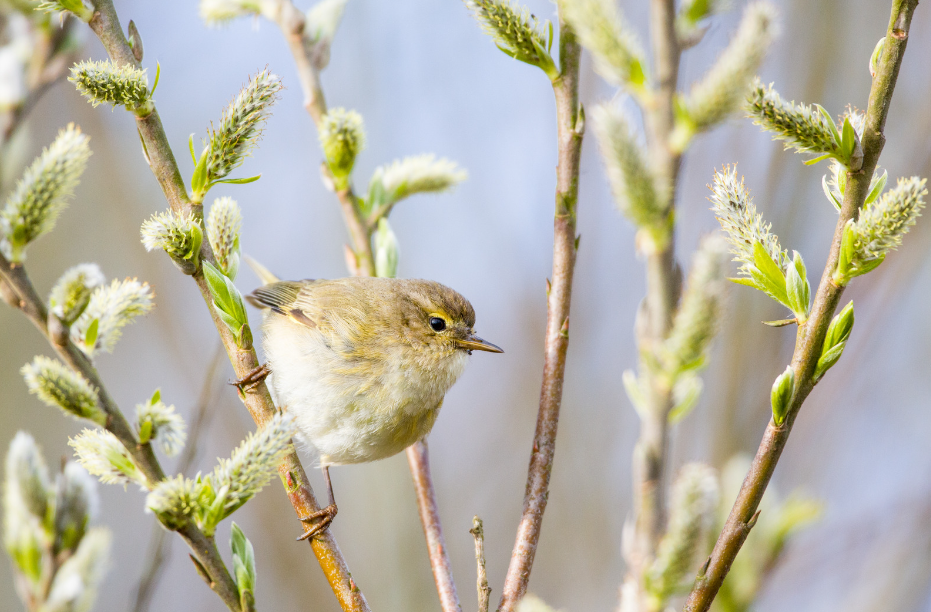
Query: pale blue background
[[427, 80]]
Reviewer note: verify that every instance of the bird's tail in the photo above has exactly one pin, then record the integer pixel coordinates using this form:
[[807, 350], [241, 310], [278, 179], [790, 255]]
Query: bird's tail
[[264, 274]]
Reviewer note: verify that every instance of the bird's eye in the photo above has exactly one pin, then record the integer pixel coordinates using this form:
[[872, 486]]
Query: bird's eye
[[437, 324]]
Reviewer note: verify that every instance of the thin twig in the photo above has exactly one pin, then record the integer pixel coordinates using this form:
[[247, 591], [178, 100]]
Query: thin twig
[[160, 544], [291, 21], [811, 334], [570, 127], [481, 580], [419, 458], [105, 23]]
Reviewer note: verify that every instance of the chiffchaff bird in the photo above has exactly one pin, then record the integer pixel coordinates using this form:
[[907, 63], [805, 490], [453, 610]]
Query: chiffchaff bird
[[363, 364]]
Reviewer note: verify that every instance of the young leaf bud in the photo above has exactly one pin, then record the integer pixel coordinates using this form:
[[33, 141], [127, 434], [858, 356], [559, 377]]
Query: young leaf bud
[[618, 56], [112, 307], [75, 505], [103, 455], [516, 32], [342, 138], [632, 180], [224, 224], [179, 235], [43, 192], [228, 304], [320, 25], [691, 516], [155, 420], [781, 395], [106, 82], [71, 294], [386, 250], [835, 340], [58, 385], [243, 560], [798, 289]]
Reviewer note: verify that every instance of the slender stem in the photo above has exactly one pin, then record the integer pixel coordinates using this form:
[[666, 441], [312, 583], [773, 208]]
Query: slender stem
[[481, 577], [419, 459], [291, 21], [570, 127], [105, 23], [663, 289], [811, 335]]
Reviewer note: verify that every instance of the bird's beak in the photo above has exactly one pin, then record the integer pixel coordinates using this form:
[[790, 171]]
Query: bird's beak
[[474, 343]]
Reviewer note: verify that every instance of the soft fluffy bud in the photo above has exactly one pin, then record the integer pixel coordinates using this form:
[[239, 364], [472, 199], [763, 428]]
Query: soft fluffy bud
[[781, 396], [879, 229], [734, 208], [224, 224], [113, 306], [691, 15], [241, 125], [697, 317], [72, 292], [320, 25], [804, 128], [632, 180], [179, 235], [155, 420], [27, 476], [103, 455], [75, 506], [691, 516], [516, 32], [75, 585], [251, 466], [721, 91], [179, 500], [601, 29], [342, 138], [58, 385], [418, 174], [220, 12], [106, 82], [43, 192]]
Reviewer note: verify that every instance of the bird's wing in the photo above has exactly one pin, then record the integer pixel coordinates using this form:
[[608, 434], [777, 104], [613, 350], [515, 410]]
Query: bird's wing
[[282, 297]]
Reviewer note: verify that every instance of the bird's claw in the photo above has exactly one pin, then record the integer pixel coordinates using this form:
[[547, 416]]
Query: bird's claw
[[325, 516], [253, 378]]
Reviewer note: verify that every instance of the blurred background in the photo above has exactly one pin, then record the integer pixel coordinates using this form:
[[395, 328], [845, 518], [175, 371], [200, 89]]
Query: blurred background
[[426, 79]]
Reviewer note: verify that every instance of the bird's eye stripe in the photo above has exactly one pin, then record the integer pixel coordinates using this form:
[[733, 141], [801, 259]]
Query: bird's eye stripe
[[437, 324]]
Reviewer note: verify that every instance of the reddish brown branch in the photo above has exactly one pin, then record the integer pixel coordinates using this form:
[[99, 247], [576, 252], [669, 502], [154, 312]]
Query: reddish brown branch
[[569, 135]]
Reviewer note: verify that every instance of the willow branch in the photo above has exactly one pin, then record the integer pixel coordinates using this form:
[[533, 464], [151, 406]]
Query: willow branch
[[21, 294], [105, 23], [811, 334], [481, 577], [663, 288], [291, 21], [419, 459], [570, 127]]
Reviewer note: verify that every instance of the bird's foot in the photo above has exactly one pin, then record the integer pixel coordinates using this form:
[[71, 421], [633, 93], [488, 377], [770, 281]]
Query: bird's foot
[[325, 516], [253, 378]]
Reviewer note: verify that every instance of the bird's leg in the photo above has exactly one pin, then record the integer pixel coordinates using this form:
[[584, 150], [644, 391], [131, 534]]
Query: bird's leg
[[250, 380], [325, 516]]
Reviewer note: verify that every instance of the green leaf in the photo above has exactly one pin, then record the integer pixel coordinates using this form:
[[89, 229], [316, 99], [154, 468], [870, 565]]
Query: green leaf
[[848, 141], [199, 179], [239, 181], [156, 397], [749, 282], [840, 327], [876, 187], [828, 193], [812, 162], [845, 255], [158, 74], [216, 282], [145, 432], [828, 359], [90, 336], [771, 276], [780, 322], [190, 146], [830, 121]]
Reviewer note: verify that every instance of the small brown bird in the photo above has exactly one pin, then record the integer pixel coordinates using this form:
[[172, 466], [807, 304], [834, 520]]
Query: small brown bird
[[363, 364]]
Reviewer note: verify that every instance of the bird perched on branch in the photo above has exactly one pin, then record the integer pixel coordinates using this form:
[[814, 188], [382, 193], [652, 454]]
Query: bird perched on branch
[[363, 364]]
